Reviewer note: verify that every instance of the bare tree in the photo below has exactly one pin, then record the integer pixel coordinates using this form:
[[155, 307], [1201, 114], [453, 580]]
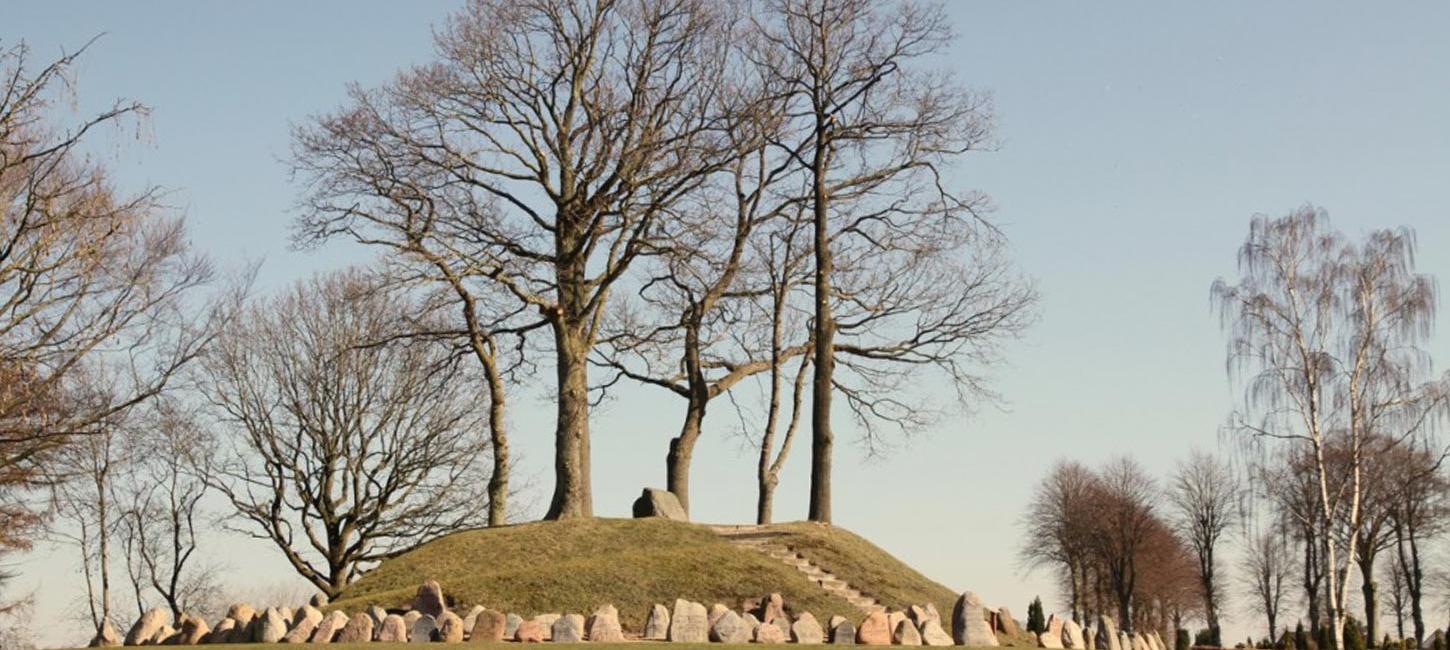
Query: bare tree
[[83, 477], [337, 449], [1267, 565], [537, 155], [1398, 595], [1059, 527], [1124, 514], [873, 133], [1208, 499], [89, 278], [1419, 514], [1326, 333]]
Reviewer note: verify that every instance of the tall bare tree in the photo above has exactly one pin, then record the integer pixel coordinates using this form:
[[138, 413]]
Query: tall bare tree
[[1059, 529], [1124, 515], [1267, 565], [337, 449], [1208, 498], [874, 131], [540, 152], [1420, 513], [1326, 333]]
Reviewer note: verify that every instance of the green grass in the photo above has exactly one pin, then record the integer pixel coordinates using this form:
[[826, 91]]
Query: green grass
[[509, 646], [577, 565]]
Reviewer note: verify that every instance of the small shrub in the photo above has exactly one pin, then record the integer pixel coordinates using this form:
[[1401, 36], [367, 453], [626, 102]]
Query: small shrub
[[1287, 641], [1438, 642], [1180, 640], [1353, 635], [1036, 622], [1203, 637]]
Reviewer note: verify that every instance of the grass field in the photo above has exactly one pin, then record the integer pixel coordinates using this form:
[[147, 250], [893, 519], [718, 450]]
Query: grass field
[[577, 565], [501, 646]]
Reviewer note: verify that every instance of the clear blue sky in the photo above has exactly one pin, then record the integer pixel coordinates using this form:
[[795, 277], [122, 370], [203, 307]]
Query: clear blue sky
[[1136, 141]]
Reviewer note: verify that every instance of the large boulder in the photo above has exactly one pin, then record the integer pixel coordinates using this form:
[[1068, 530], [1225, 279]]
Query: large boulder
[[906, 633], [1072, 635], [689, 623], [546, 624], [1107, 634], [359, 629], [1007, 625], [270, 627], [654, 502], [969, 623], [768, 634], [657, 626], [1052, 637], [304, 621], [162, 636], [378, 614], [393, 630], [771, 607], [450, 628], [806, 629], [329, 627], [222, 633], [423, 630], [932, 633], [843, 632], [511, 625], [410, 617], [1125, 641], [429, 599], [193, 631], [729, 628], [604, 626], [146, 626], [319, 600], [244, 615], [875, 629], [489, 625], [105, 637], [714, 613], [471, 619], [529, 631], [569, 628], [1157, 640]]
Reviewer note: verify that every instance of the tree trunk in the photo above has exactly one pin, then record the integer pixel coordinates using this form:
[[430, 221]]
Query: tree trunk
[[572, 496], [822, 439], [1369, 589], [498, 482], [682, 449]]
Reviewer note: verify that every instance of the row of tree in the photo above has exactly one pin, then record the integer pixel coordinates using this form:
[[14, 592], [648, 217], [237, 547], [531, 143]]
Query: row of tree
[[1339, 461]]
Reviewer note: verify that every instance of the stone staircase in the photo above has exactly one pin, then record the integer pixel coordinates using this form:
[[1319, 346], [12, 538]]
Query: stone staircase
[[761, 540]]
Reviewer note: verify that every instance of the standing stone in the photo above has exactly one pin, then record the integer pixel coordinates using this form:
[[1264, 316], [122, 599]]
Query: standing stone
[[768, 634], [716, 611], [222, 633], [657, 626], [843, 633], [423, 630], [244, 615], [490, 625], [161, 635], [1006, 624], [1052, 638], [359, 629], [146, 626], [604, 625], [270, 627], [689, 623], [288, 615], [511, 625], [329, 627], [1107, 634], [304, 621], [546, 625], [1157, 640], [393, 630], [450, 628], [893, 619], [411, 617], [750, 622], [932, 633], [729, 628], [569, 628], [377, 614], [906, 633], [654, 502], [429, 599], [471, 620], [319, 600], [969, 623], [529, 632], [771, 608], [806, 629], [875, 629], [1072, 635], [193, 631], [916, 613]]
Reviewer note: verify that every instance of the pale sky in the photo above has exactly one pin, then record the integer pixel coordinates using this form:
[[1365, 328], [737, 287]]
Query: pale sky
[[1137, 139]]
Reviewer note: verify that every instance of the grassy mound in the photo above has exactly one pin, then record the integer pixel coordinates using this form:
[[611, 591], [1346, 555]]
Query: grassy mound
[[576, 565]]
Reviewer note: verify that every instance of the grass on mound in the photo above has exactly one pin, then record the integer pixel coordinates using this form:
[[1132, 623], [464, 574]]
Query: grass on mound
[[576, 565], [495, 645]]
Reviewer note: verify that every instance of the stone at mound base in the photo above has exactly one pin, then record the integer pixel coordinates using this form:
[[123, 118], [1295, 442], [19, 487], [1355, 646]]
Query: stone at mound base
[[161, 636], [604, 625], [222, 633], [1107, 634], [1006, 624], [411, 617], [393, 630], [768, 634], [771, 608], [546, 624], [1125, 641], [750, 622], [146, 626], [378, 614], [843, 633], [423, 630], [193, 631], [689, 623], [511, 625], [906, 633], [1157, 640], [329, 627], [270, 627], [429, 599], [245, 617], [450, 628], [488, 626], [655, 502], [304, 621], [569, 628], [529, 632], [1072, 635], [875, 629], [806, 629], [714, 613], [932, 633], [894, 618], [730, 628], [359, 629], [969, 622], [105, 637], [657, 626], [471, 619]]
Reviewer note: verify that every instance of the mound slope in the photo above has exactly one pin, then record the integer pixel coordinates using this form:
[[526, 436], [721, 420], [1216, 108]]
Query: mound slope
[[577, 565]]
